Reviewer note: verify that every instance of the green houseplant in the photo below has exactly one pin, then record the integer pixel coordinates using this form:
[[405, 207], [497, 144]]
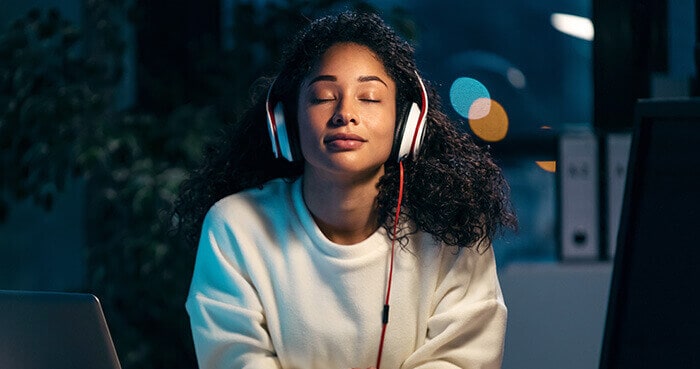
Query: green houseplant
[[58, 120]]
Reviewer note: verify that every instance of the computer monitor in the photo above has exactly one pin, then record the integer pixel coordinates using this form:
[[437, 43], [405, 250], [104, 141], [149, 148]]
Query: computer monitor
[[653, 318]]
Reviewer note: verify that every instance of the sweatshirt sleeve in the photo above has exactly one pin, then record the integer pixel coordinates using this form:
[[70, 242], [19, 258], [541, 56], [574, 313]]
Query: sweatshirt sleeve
[[226, 316], [467, 327]]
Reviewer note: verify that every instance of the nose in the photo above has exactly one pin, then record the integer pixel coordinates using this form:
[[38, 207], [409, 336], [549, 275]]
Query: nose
[[344, 113]]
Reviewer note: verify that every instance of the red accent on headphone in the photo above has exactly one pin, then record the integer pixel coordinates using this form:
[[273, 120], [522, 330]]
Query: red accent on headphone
[[423, 112], [273, 126]]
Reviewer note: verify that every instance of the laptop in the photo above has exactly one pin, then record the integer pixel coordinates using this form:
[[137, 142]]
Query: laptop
[[653, 318], [57, 330]]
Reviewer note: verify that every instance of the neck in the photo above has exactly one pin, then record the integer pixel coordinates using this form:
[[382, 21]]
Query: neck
[[345, 209]]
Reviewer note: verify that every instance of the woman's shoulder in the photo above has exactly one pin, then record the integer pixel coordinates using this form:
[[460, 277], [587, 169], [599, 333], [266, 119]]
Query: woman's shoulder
[[268, 197], [429, 248]]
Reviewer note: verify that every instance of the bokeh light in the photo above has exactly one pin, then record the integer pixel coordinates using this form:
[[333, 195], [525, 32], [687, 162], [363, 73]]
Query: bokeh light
[[493, 126], [464, 93], [547, 165], [573, 25], [516, 77], [480, 108]]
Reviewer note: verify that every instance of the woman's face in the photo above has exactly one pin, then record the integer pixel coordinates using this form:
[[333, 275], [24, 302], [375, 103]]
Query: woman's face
[[347, 112]]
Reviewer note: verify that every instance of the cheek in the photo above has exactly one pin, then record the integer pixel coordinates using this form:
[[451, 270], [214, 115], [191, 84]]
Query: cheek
[[387, 129], [389, 134], [308, 131], [312, 119], [306, 138]]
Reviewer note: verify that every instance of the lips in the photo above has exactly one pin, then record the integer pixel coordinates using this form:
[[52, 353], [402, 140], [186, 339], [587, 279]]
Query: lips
[[343, 141]]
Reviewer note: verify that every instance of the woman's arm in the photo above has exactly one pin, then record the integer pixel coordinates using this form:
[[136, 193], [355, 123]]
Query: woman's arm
[[227, 319], [467, 327]]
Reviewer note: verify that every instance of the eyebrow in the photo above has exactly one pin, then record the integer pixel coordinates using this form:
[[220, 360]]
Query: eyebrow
[[326, 77]]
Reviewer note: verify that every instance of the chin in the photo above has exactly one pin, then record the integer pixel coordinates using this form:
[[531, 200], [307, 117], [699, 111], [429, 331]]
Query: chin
[[348, 167]]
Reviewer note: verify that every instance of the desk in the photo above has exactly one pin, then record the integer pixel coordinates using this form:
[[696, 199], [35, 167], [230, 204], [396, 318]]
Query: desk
[[556, 314]]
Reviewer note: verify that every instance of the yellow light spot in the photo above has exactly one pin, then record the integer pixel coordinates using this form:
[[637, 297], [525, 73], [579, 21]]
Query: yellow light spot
[[491, 127], [549, 166]]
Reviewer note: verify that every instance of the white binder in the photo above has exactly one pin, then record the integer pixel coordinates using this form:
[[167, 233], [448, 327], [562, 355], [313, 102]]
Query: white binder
[[578, 196]]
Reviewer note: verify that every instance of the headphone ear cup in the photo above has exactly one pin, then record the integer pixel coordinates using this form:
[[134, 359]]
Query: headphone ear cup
[[412, 132], [410, 126], [272, 125], [282, 135], [401, 117]]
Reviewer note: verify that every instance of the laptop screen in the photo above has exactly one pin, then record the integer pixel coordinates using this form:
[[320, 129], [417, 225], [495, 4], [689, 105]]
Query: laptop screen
[[54, 330], [653, 319]]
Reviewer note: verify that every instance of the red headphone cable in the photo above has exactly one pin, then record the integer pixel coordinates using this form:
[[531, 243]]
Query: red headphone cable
[[385, 312]]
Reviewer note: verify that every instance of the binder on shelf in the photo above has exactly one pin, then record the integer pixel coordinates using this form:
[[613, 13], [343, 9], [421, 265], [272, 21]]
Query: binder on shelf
[[579, 216], [617, 156]]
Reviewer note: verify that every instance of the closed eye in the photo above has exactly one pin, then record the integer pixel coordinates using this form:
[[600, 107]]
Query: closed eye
[[320, 101]]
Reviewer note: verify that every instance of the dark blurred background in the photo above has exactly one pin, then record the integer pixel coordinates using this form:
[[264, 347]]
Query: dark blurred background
[[105, 105]]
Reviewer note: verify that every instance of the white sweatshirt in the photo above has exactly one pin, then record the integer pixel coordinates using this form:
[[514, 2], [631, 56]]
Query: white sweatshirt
[[269, 290]]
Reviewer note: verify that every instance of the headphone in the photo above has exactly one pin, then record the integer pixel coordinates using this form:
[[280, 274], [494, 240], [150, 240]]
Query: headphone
[[408, 135]]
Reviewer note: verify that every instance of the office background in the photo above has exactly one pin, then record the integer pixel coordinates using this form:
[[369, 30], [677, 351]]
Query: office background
[[104, 105]]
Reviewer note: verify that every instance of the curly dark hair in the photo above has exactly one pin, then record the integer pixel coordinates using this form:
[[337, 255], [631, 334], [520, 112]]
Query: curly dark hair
[[453, 190]]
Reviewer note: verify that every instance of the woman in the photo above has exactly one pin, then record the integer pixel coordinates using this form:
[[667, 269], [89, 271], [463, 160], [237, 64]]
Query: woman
[[374, 199]]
